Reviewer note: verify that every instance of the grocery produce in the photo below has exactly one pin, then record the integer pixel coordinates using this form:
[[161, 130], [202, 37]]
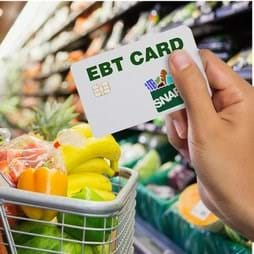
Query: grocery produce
[[106, 195], [52, 118], [5, 135], [11, 210], [76, 182], [22, 152], [43, 180], [46, 237], [179, 177], [159, 143], [96, 165], [78, 146], [148, 165], [98, 223], [236, 237], [102, 249], [194, 211], [161, 191], [3, 249], [131, 153]]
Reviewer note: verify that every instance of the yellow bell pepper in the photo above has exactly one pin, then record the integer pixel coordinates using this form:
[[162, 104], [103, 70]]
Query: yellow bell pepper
[[43, 180]]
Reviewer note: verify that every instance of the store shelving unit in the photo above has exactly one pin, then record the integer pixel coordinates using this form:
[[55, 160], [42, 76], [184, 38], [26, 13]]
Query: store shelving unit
[[219, 15], [202, 26]]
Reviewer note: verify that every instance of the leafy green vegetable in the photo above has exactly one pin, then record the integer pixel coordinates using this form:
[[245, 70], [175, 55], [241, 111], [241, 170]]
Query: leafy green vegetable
[[95, 234], [45, 240]]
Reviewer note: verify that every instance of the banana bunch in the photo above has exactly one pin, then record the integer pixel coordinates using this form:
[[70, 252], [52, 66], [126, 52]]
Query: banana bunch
[[89, 160]]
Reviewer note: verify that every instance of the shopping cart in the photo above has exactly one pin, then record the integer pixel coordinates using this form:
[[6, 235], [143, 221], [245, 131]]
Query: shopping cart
[[114, 221]]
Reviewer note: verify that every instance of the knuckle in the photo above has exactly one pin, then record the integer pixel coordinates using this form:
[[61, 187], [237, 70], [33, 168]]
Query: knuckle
[[205, 52]]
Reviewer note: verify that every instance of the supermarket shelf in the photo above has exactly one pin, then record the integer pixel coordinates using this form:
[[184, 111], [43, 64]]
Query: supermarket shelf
[[15, 126], [224, 12], [148, 240], [245, 73], [45, 95], [71, 20], [46, 75], [78, 38], [40, 27], [215, 17]]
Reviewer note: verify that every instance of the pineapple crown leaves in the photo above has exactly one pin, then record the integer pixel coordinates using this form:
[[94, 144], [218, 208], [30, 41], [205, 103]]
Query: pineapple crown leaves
[[53, 117]]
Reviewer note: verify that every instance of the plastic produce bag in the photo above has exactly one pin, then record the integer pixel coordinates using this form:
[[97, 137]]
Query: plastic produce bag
[[27, 151]]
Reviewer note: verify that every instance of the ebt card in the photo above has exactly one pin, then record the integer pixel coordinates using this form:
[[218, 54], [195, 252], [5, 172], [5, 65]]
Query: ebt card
[[132, 84]]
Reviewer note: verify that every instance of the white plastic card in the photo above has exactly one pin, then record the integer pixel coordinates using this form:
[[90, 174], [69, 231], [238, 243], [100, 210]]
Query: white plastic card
[[131, 85]]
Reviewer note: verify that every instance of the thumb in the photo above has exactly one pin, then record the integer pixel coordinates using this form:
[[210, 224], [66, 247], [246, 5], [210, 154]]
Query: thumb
[[193, 88]]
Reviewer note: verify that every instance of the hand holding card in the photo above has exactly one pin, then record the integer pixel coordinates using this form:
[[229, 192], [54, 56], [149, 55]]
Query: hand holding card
[[132, 84]]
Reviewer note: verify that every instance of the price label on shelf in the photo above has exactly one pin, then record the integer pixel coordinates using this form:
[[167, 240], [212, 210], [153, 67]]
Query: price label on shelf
[[200, 211], [131, 85]]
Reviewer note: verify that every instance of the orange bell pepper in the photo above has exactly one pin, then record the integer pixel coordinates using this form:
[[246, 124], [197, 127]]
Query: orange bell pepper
[[43, 180], [3, 249]]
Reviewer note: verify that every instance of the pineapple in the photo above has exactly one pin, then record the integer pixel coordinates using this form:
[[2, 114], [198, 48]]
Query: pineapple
[[52, 118]]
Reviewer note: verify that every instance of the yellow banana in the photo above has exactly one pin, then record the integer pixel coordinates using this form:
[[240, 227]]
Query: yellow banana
[[105, 147], [114, 165], [97, 165], [76, 182], [106, 195], [83, 129]]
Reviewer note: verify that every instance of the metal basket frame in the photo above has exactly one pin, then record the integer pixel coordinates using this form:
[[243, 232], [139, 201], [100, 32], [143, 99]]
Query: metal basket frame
[[122, 208]]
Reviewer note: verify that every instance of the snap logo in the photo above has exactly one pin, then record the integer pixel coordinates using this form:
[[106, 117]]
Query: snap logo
[[163, 91]]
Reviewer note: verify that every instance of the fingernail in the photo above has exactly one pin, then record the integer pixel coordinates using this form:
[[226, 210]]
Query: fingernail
[[180, 129], [180, 59]]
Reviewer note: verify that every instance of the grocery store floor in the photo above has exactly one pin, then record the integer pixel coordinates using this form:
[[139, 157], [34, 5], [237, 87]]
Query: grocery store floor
[[150, 241]]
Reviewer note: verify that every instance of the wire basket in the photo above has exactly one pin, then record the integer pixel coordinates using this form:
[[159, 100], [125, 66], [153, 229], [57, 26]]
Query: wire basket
[[99, 228]]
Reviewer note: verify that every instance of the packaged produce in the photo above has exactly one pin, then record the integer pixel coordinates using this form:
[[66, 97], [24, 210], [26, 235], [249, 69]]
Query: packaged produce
[[192, 209], [138, 29], [145, 138], [160, 176], [70, 82], [131, 153], [115, 36], [96, 223], [52, 84], [75, 55], [42, 180], [46, 237], [11, 210], [98, 39], [241, 60], [148, 165], [179, 177], [161, 191], [23, 152], [3, 249]]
